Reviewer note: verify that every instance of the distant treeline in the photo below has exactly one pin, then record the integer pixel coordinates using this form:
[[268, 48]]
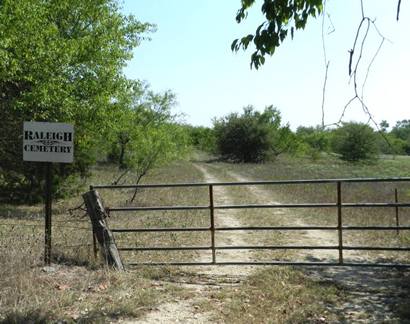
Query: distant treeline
[[259, 136]]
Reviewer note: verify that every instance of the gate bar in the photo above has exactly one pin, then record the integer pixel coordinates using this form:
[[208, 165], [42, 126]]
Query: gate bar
[[396, 200], [114, 209], [250, 206], [260, 228], [277, 228], [267, 263], [182, 248], [376, 228], [339, 221], [169, 229], [212, 215], [247, 183], [266, 247]]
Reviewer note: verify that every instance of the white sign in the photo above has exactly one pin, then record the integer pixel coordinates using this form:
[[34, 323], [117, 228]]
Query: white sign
[[48, 142]]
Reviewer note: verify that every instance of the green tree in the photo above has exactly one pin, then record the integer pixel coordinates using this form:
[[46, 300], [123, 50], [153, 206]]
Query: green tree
[[314, 140], [355, 142], [138, 106], [146, 134], [60, 61], [282, 18], [315, 137], [202, 138], [402, 131], [390, 144], [384, 125], [252, 136]]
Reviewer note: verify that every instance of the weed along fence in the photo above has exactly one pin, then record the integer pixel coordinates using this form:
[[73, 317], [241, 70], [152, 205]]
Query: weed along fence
[[338, 211]]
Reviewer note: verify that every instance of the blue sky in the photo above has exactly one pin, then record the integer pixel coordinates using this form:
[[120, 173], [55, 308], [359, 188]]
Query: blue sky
[[190, 54]]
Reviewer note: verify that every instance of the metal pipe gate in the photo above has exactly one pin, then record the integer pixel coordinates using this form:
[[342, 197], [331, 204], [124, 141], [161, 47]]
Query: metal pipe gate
[[212, 229]]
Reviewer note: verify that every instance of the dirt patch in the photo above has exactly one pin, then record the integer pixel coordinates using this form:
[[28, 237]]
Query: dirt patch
[[319, 237], [173, 312], [207, 279], [227, 218]]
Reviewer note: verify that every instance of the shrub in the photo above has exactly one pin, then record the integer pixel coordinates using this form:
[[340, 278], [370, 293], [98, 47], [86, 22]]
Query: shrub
[[355, 142], [314, 140], [202, 138], [252, 136], [402, 131], [390, 144]]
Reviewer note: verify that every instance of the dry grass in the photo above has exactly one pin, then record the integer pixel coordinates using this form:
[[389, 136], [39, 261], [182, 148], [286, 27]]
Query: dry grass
[[283, 295], [75, 293], [78, 290], [75, 289], [190, 196], [298, 168], [277, 295]]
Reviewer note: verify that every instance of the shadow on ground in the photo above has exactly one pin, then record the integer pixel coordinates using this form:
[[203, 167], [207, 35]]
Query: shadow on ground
[[373, 294]]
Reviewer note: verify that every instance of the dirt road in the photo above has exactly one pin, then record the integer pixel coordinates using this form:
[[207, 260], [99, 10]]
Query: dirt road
[[371, 293]]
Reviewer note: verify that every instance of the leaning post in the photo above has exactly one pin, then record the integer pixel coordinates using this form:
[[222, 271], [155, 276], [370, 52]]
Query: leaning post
[[105, 238]]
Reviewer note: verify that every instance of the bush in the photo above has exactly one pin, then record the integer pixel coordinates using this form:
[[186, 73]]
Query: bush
[[252, 136], [355, 142], [402, 131], [313, 140], [202, 138], [390, 144]]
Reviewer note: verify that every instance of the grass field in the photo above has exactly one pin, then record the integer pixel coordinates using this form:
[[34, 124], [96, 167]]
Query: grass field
[[79, 289], [181, 172], [285, 168]]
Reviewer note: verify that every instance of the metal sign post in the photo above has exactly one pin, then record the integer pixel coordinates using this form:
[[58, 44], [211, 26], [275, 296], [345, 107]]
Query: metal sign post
[[48, 142], [48, 209]]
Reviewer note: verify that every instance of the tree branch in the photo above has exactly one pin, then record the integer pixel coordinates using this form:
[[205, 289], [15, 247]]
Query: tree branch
[[115, 182], [354, 73], [398, 10], [326, 65]]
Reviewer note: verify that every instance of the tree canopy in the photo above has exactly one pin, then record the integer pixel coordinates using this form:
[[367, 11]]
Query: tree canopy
[[146, 133], [282, 17], [61, 61], [355, 142], [252, 136]]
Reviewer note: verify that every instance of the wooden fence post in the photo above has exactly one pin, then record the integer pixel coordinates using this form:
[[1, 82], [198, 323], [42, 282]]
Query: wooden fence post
[[97, 213]]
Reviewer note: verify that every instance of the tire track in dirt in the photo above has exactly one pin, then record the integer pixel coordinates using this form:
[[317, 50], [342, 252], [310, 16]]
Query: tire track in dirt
[[321, 237], [373, 294], [213, 277], [227, 218]]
